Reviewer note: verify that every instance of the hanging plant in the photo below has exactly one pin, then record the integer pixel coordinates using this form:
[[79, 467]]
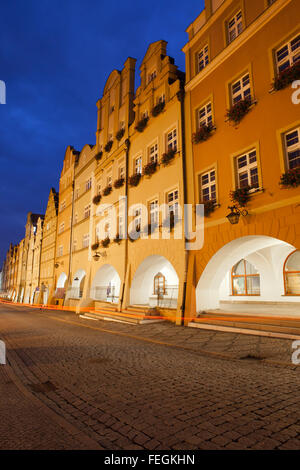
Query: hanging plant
[[99, 156], [134, 179], [95, 246], [107, 190], [97, 199], [119, 183], [202, 134], [291, 178], [209, 207], [108, 146], [238, 110], [150, 168], [142, 123], [157, 109], [105, 242], [120, 134], [117, 239], [241, 196], [287, 76], [168, 157]]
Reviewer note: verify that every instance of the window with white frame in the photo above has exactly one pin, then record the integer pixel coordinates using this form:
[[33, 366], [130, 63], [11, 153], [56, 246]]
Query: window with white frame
[[60, 250], [241, 89], [161, 99], [153, 153], [235, 26], [173, 203], [74, 245], [154, 212], [87, 212], [151, 76], [208, 189], [76, 195], [61, 227], [204, 115], [138, 165], [62, 206], [172, 140], [292, 148], [202, 58], [289, 54], [121, 226], [85, 240], [109, 179], [122, 172], [247, 170], [107, 230], [88, 184], [75, 218], [138, 219], [99, 186], [145, 114]]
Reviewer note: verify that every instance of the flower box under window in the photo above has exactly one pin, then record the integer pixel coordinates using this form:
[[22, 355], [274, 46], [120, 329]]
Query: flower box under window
[[99, 156], [291, 178], [108, 146], [157, 109], [168, 156], [241, 196], [97, 199], [107, 190], [209, 207], [142, 123], [287, 76], [135, 179], [95, 246], [119, 183], [120, 134], [239, 110], [105, 242], [202, 134], [150, 168]]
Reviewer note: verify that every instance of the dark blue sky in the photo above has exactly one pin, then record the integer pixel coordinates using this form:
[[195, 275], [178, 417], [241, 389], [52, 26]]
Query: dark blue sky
[[55, 57]]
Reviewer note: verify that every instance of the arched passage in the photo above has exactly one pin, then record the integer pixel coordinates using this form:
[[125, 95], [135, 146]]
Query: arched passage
[[61, 281], [106, 284], [76, 291], [155, 283], [266, 255]]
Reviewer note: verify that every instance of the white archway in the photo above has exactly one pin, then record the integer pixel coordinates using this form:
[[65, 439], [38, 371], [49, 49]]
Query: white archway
[[106, 284], [142, 286], [61, 281], [266, 254], [76, 291]]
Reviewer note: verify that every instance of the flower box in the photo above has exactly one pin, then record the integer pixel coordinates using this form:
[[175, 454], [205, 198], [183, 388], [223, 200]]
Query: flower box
[[97, 199], [168, 157], [239, 110], [107, 190], [120, 134], [287, 76], [157, 109], [209, 207], [119, 183], [108, 146], [99, 156], [150, 168], [95, 246], [105, 242], [134, 179], [202, 134], [142, 124], [117, 239], [241, 196], [291, 179]]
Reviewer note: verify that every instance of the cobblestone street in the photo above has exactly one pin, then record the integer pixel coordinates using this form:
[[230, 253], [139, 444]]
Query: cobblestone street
[[72, 383]]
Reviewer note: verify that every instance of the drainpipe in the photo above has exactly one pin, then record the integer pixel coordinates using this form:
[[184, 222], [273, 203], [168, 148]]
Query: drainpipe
[[180, 97], [71, 237], [127, 146]]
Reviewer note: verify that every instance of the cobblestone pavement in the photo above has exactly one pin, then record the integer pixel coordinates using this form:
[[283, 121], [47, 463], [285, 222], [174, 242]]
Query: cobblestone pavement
[[72, 383]]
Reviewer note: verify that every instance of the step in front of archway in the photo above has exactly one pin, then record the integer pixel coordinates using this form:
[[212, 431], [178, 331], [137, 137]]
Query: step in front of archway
[[130, 317]]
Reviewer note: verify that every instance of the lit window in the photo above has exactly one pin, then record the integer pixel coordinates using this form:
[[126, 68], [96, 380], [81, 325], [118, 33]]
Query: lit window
[[172, 140], [247, 171], [154, 213], [208, 186], [122, 172], [205, 116], [138, 219], [235, 26], [61, 227], [121, 226], [109, 180], [241, 89], [87, 211], [288, 54], [245, 279], [292, 148], [151, 76], [153, 153], [161, 99], [291, 273], [203, 59], [60, 251], [85, 240], [172, 201], [88, 184], [138, 165], [159, 287]]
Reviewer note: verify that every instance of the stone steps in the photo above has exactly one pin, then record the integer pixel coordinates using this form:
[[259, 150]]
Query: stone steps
[[134, 315]]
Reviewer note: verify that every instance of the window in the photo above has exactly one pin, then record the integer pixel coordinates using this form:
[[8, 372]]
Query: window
[[61, 227], [88, 184], [203, 59], [270, 2], [172, 140], [241, 89], [153, 153], [85, 240], [138, 219], [245, 279], [204, 116], [154, 213], [235, 26], [99, 188], [62, 206], [138, 165], [291, 272], [121, 226], [122, 172], [109, 180], [161, 99], [172, 201], [159, 287], [151, 76], [247, 171], [145, 114], [288, 54], [75, 218], [76, 195], [87, 212], [60, 251], [208, 186], [74, 245], [292, 148]]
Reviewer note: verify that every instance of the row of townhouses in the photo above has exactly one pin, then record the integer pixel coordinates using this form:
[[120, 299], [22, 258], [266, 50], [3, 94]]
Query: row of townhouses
[[189, 200]]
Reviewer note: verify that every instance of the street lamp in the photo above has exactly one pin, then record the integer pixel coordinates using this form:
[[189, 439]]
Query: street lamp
[[235, 213], [98, 255]]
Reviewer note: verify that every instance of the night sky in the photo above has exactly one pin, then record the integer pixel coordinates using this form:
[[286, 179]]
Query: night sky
[[55, 57]]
